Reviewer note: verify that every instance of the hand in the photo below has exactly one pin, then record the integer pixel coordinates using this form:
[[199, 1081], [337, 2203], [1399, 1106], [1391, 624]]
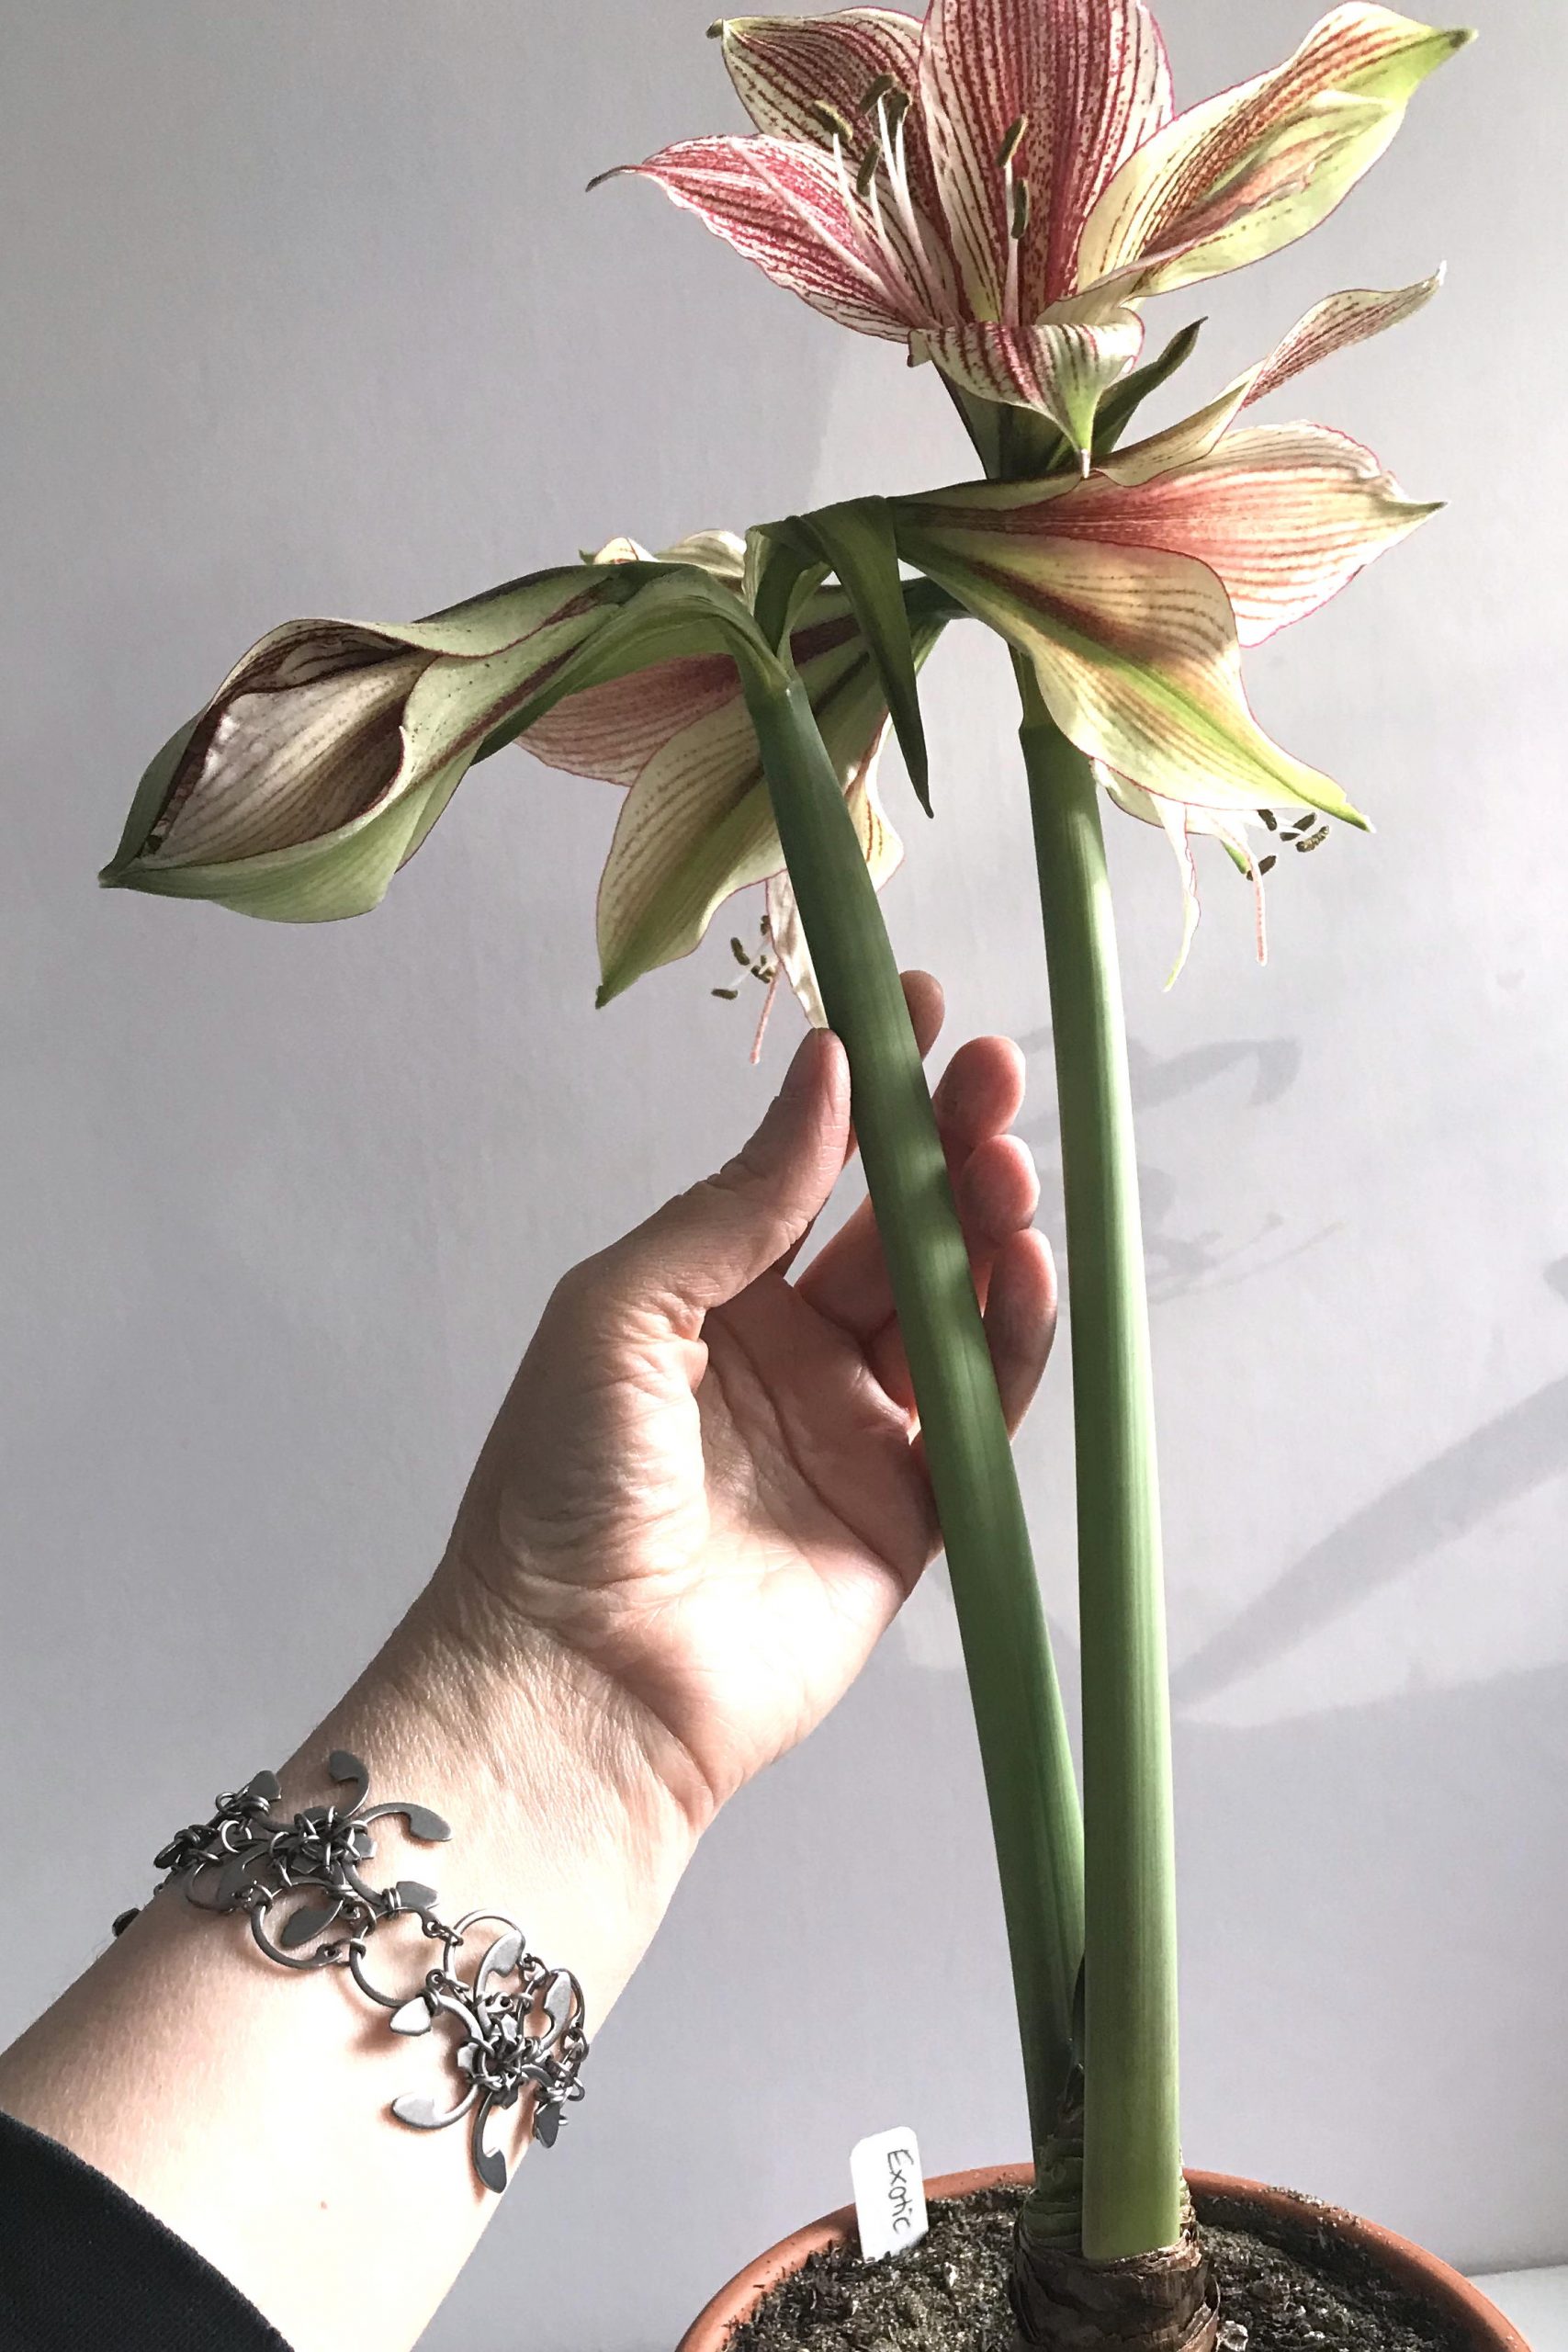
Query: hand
[[705, 1489]]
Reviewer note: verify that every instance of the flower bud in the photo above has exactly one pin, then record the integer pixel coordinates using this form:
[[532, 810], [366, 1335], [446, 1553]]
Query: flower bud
[[325, 757]]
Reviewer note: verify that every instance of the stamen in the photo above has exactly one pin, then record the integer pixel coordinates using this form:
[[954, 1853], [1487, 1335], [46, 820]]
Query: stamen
[[883, 87], [1015, 205], [891, 111], [834, 123]]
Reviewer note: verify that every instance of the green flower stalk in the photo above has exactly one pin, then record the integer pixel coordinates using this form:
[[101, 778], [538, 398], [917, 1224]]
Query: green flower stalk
[[1023, 1745]]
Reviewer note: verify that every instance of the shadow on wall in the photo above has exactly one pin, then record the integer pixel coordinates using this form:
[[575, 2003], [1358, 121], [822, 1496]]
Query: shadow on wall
[[1181, 1263], [1457, 1489]]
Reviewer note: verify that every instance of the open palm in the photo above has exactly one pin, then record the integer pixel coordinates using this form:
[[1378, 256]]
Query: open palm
[[705, 1486]]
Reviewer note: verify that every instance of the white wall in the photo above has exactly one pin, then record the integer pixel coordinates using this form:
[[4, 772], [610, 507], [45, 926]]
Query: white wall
[[307, 314]]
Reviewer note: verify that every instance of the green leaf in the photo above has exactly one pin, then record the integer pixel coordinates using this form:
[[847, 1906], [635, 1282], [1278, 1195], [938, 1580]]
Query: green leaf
[[784, 572], [857, 540]]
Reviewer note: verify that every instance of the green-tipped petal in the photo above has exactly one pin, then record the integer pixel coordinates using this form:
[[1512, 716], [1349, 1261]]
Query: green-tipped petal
[[1333, 325], [1252, 170], [1136, 651], [1061, 370]]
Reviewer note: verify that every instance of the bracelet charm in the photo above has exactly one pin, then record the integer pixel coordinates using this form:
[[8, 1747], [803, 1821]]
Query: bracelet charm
[[521, 2022]]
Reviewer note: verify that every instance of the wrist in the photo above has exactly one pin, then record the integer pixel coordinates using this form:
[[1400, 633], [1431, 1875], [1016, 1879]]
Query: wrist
[[558, 1814]]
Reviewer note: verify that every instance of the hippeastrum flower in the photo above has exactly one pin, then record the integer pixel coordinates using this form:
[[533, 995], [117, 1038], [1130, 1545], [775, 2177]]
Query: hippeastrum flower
[[1135, 590], [696, 824], [997, 187]]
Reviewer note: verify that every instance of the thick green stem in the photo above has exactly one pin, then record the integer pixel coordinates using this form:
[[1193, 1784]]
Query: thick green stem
[[1132, 2177], [1012, 1680]]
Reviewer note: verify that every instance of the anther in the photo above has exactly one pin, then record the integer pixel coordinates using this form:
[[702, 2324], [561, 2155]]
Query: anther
[[834, 123], [1315, 841], [1267, 864], [1019, 223], [1012, 138], [1268, 818], [870, 164], [883, 87]]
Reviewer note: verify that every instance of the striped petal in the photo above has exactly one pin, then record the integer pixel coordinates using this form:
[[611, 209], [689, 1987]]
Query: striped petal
[[787, 69], [1332, 325], [1064, 371], [785, 207], [1135, 650], [884, 854], [1253, 169], [1090, 80], [1285, 515], [696, 824]]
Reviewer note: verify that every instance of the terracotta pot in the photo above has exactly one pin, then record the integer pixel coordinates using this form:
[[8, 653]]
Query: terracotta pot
[[1481, 2323]]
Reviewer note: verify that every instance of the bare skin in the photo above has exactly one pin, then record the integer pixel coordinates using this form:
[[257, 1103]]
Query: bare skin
[[702, 1502]]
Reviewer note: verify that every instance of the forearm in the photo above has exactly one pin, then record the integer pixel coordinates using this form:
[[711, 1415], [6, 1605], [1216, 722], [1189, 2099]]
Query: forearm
[[248, 2105]]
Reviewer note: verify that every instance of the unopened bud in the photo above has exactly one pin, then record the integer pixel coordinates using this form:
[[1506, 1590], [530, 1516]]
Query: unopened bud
[[326, 756]]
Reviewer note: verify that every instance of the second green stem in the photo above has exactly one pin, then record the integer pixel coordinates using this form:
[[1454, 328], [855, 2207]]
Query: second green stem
[[1132, 2179]]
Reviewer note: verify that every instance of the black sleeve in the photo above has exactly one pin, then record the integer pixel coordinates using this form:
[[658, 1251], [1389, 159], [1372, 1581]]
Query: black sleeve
[[82, 2265]]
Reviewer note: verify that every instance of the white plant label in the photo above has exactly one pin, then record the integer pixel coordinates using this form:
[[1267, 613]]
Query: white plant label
[[890, 2197]]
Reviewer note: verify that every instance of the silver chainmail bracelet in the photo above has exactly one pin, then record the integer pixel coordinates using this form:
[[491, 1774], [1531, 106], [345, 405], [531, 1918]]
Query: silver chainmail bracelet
[[521, 2022]]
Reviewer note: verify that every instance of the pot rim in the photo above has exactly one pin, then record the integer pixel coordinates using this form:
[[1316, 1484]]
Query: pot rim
[[1431, 2280]]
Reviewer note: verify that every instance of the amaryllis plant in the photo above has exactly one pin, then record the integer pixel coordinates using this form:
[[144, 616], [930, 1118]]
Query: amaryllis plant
[[1001, 187]]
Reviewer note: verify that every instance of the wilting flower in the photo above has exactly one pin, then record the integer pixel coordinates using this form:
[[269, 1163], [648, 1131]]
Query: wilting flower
[[325, 758], [998, 187], [1135, 590], [696, 824]]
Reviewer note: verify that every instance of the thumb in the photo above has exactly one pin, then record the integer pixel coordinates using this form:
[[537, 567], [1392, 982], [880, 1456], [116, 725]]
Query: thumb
[[703, 1248]]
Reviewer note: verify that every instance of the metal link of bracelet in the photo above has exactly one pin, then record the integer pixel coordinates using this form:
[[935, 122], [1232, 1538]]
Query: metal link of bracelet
[[521, 2021]]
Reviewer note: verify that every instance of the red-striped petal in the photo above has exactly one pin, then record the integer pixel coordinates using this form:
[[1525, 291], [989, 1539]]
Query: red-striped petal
[[1064, 371], [781, 205], [1332, 325], [1250, 171], [784, 68], [1284, 515], [1091, 79]]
